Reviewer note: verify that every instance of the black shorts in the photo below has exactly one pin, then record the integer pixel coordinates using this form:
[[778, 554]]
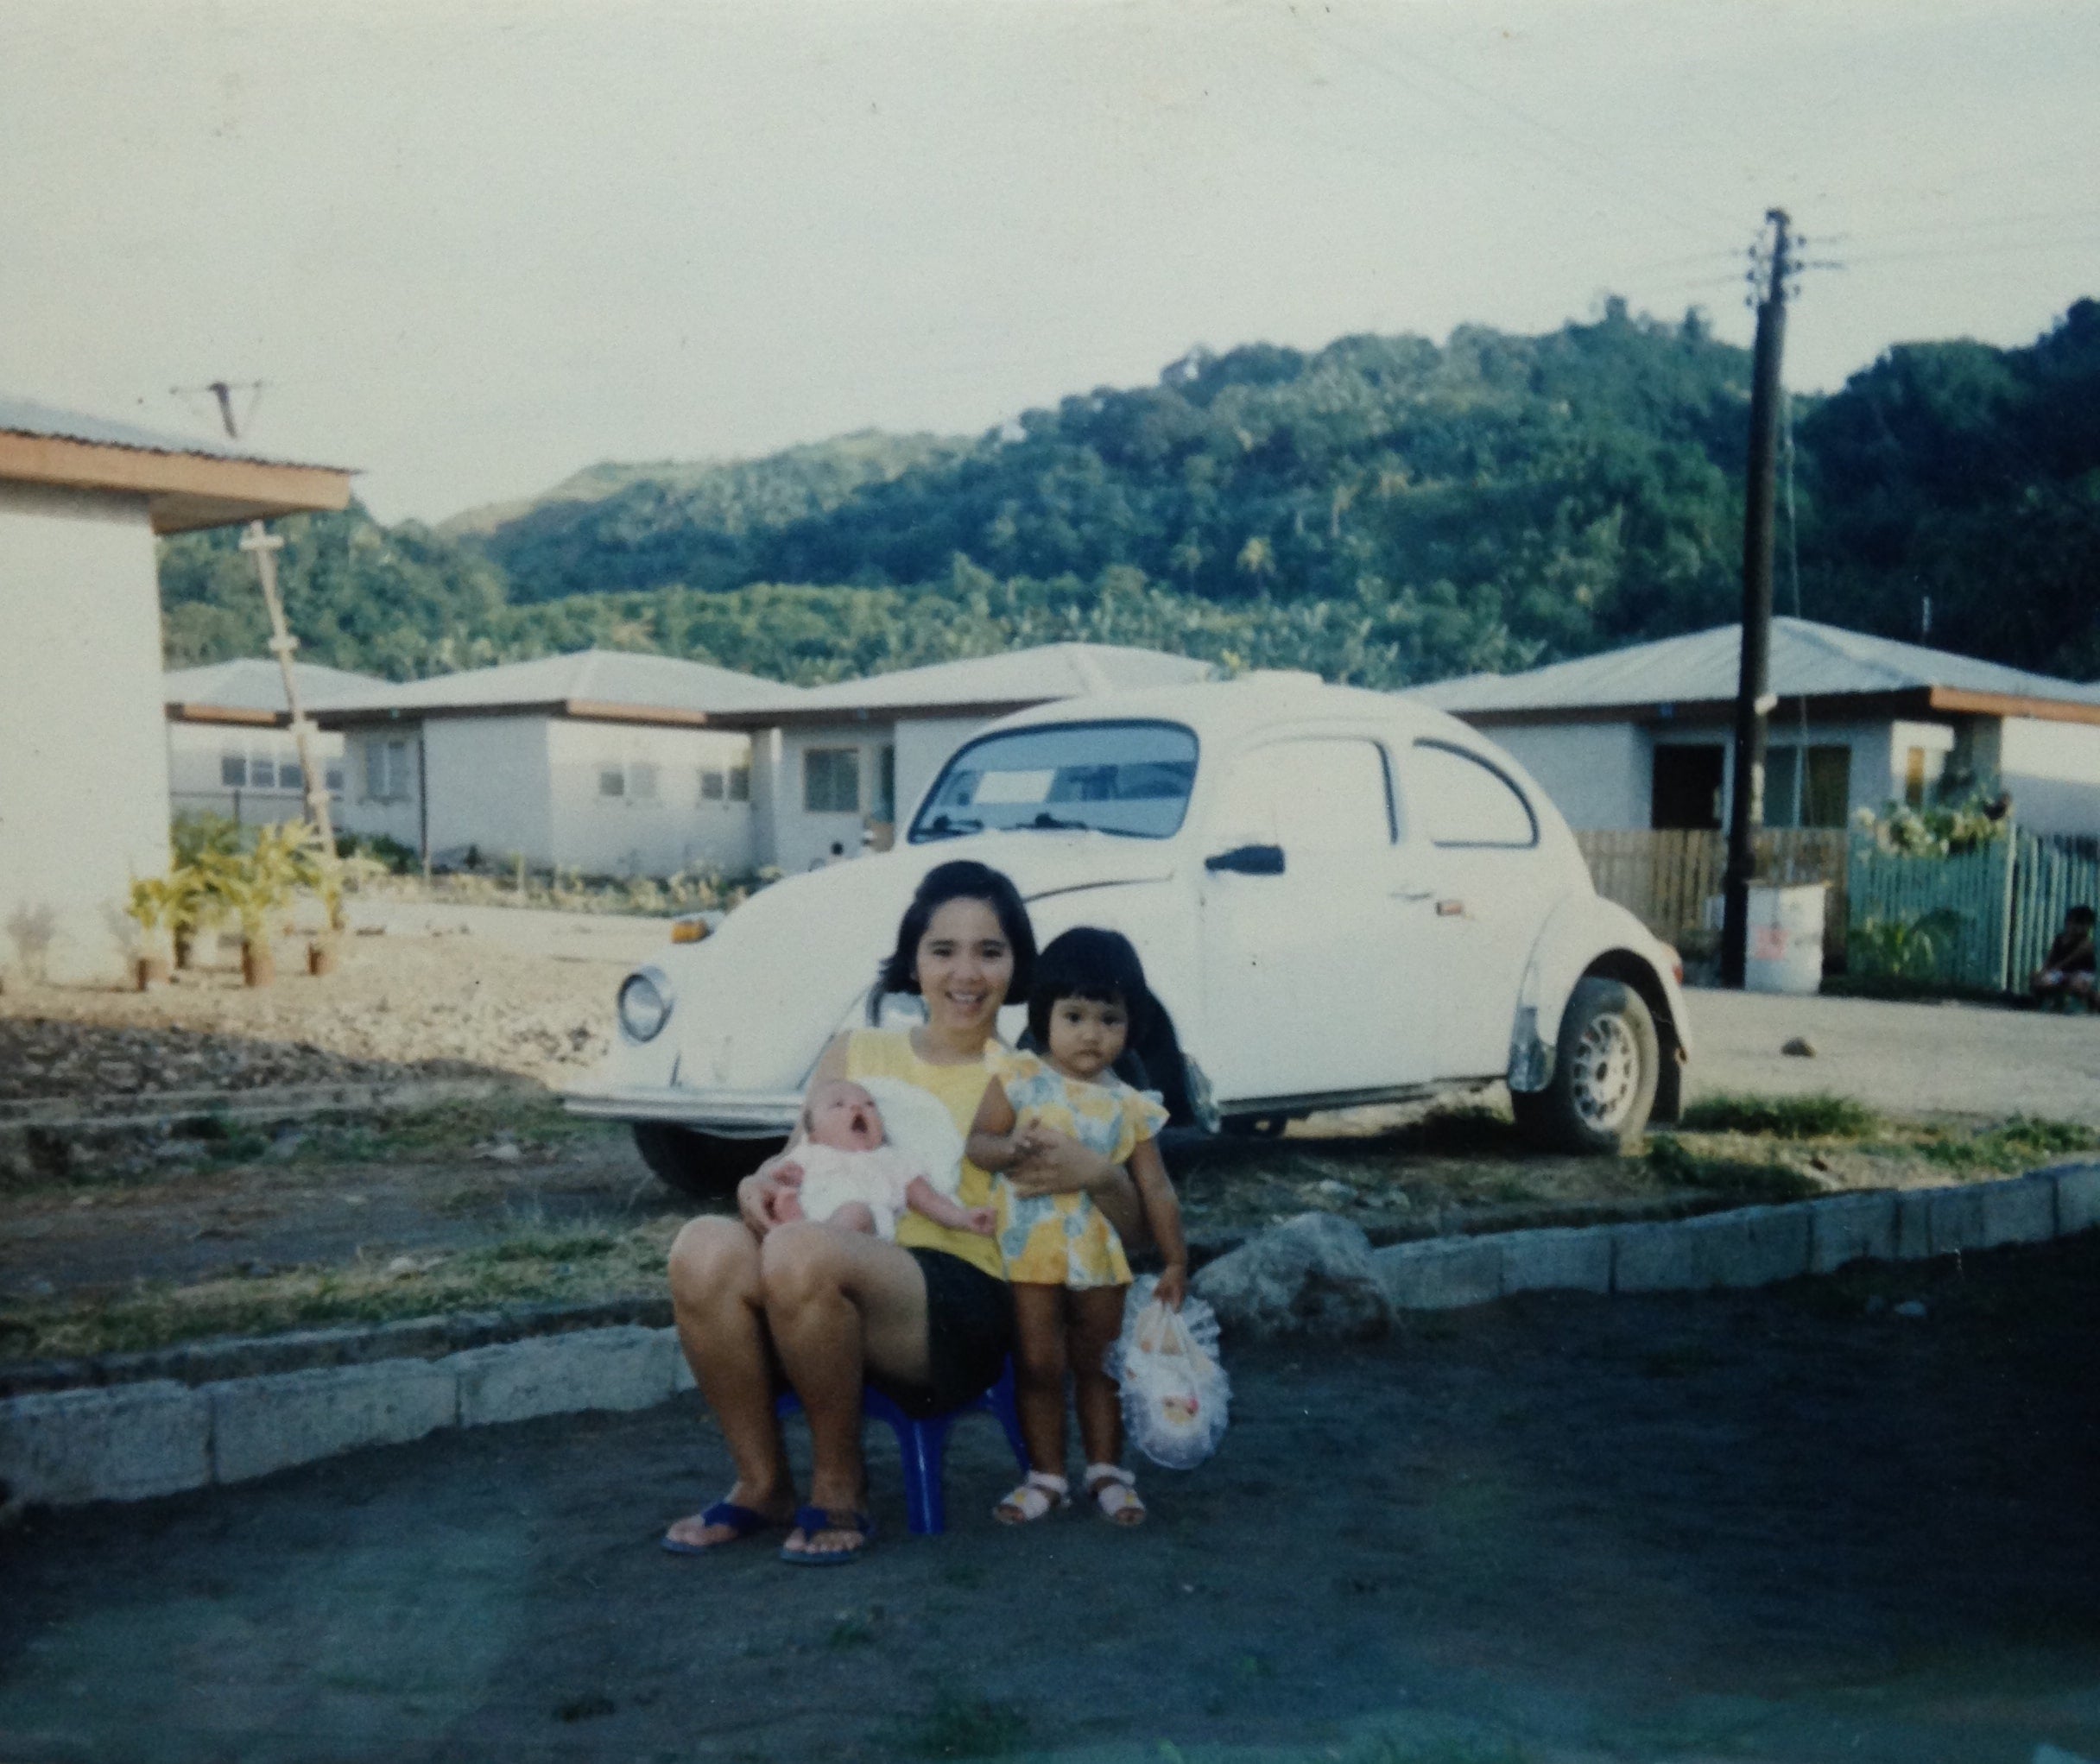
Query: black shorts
[[968, 1333]]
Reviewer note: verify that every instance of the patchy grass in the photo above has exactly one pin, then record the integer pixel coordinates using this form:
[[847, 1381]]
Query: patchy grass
[[1680, 1164], [534, 1264], [1820, 1117], [2018, 1144]]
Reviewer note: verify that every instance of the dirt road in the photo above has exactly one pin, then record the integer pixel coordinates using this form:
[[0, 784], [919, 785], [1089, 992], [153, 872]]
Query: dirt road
[[1786, 1526]]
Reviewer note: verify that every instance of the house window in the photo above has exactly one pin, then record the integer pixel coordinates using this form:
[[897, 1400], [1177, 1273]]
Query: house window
[[642, 781], [289, 777], [262, 772], [712, 783], [612, 781], [1827, 792], [1687, 791], [386, 770], [739, 783], [831, 781], [335, 780], [233, 771], [885, 783]]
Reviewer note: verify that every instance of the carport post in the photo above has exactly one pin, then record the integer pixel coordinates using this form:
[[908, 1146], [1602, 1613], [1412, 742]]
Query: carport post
[[1754, 699]]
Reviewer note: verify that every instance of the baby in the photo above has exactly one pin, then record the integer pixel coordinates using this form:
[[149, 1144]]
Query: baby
[[853, 1178]]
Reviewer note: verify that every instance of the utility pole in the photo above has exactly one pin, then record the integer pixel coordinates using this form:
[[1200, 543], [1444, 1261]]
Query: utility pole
[[1754, 698], [282, 643]]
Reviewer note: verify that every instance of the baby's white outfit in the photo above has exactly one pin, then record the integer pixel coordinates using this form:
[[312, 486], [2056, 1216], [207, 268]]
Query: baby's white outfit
[[831, 1178]]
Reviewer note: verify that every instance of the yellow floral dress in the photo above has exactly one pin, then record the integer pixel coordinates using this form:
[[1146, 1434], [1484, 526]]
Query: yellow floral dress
[[1065, 1240]]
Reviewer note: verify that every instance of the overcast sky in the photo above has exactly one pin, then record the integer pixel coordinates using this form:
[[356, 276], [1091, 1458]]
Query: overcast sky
[[472, 247]]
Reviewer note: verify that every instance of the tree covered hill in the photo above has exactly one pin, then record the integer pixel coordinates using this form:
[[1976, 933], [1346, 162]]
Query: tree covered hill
[[1383, 510]]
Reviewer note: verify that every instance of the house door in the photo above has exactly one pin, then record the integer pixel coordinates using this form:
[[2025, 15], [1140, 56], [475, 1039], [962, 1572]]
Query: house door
[[1303, 963], [1687, 787]]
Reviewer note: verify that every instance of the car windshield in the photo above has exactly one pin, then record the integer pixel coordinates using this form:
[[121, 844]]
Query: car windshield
[[1127, 777]]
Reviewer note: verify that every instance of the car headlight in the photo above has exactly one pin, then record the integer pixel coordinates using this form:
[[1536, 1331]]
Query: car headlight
[[645, 1004]]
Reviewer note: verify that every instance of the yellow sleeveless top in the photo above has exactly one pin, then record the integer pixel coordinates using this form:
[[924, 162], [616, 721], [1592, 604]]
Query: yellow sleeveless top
[[960, 1089]]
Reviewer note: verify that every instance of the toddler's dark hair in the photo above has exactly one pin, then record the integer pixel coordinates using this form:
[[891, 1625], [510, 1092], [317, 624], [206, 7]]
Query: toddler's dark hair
[[1088, 962]]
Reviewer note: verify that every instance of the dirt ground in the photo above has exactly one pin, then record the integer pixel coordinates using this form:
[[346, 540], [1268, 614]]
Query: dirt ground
[[1791, 1525]]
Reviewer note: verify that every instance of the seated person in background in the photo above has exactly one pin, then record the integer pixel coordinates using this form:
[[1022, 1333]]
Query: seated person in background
[[2068, 972], [853, 1178]]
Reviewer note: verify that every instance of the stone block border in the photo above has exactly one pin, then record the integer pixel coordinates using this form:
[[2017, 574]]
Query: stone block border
[[140, 1426]]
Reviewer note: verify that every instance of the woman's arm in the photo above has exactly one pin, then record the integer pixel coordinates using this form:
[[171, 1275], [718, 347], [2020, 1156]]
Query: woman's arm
[[992, 1144], [780, 1173], [1163, 1213]]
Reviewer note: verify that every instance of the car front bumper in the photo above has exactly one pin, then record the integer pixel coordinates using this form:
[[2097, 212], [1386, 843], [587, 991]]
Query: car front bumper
[[729, 1114]]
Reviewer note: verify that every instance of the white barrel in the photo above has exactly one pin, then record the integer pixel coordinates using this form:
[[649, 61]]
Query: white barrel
[[1785, 953]]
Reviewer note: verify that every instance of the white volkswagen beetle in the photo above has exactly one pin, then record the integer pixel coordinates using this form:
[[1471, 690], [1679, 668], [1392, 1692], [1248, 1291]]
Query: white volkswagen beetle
[[1341, 897]]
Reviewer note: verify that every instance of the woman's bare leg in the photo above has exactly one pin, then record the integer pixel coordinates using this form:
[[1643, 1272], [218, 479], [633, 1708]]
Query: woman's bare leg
[[838, 1302], [1039, 1372], [1096, 1320], [717, 1299]]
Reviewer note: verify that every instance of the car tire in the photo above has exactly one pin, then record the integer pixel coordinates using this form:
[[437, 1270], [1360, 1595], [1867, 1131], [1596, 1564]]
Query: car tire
[[1605, 1072], [701, 1165]]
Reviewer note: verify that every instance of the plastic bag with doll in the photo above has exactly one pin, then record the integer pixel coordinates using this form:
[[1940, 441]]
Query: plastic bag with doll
[[1175, 1394]]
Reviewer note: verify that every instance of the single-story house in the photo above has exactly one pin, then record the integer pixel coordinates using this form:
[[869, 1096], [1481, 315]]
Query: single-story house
[[84, 794], [832, 763], [229, 750], [1642, 737], [600, 761]]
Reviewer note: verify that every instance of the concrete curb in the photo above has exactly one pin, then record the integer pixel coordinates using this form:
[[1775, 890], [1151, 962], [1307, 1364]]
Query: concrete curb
[[160, 1437], [223, 1413]]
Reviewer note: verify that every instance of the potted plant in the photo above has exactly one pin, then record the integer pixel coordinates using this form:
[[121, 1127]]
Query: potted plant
[[152, 907], [315, 867], [254, 886]]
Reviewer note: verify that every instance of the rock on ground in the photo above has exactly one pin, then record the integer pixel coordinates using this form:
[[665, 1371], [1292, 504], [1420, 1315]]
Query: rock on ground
[[1310, 1276]]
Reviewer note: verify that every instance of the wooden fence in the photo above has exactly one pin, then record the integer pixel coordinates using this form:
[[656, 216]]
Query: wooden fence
[[1934, 920], [1665, 878], [2046, 880]]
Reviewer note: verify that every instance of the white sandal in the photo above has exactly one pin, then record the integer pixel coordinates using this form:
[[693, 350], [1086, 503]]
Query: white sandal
[[1041, 1495], [1114, 1492]]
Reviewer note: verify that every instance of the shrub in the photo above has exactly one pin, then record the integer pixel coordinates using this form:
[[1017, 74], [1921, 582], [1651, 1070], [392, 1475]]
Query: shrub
[[1819, 1116]]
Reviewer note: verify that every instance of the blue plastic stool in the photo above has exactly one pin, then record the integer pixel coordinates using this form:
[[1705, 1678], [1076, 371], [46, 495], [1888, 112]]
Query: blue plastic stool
[[922, 1442]]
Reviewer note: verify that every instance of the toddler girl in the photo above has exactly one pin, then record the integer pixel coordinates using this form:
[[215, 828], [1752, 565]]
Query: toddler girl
[[1063, 1257]]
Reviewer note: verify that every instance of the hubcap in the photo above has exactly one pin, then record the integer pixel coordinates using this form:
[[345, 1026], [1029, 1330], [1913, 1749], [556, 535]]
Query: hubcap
[[1607, 1072]]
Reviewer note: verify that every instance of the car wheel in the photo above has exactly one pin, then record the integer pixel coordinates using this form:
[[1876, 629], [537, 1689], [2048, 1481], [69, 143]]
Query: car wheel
[[699, 1164], [1605, 1074]]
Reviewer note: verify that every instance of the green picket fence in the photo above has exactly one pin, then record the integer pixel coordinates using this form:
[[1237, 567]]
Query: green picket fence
[[2047, 880], [1981, 920]]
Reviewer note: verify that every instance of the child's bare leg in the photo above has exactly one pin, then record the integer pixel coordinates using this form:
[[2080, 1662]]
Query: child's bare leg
[[1039, 1372], [1096, 1321], [788, 1207], [854, 1215]]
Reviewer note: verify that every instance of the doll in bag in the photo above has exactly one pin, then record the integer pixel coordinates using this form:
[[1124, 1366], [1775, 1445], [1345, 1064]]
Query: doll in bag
[[1175, 1394]]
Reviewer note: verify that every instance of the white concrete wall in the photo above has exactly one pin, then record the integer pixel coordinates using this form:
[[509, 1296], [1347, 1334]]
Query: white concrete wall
[[83, 741], [1597, 773], [359, 811], [800, 837], [488, 778], [196, 777], [633, 834], [2052, 770]]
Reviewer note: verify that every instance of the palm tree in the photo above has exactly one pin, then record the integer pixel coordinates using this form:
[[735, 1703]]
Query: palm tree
[[1257, 559]]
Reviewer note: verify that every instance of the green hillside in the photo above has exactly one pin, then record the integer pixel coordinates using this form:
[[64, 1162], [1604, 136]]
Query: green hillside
[[1384, 510]]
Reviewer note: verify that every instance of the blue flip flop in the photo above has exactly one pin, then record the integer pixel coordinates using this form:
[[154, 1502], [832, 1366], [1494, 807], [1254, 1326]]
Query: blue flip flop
[[741, 1521], [809, 1520]]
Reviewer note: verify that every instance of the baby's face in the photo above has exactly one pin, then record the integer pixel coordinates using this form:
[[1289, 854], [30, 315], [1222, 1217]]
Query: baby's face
[[844, 1117]]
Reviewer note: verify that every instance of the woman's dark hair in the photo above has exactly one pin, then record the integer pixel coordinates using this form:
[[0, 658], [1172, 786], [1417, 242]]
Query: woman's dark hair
[[1087, 962], [960, 879]]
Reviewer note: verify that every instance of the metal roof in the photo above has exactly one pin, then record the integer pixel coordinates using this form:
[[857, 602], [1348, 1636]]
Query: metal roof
[[252, 683], [24, 416], [1014, 678], [588, 677], [1808, 660]]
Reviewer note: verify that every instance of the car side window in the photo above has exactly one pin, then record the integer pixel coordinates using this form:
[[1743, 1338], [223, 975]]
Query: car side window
[[1313, 795], [1459, 798]]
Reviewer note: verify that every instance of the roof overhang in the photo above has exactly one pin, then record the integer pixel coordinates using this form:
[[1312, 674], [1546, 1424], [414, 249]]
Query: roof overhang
[[227, 713], [576, 710], [1914, 701], [789, 716], [183, 492]]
